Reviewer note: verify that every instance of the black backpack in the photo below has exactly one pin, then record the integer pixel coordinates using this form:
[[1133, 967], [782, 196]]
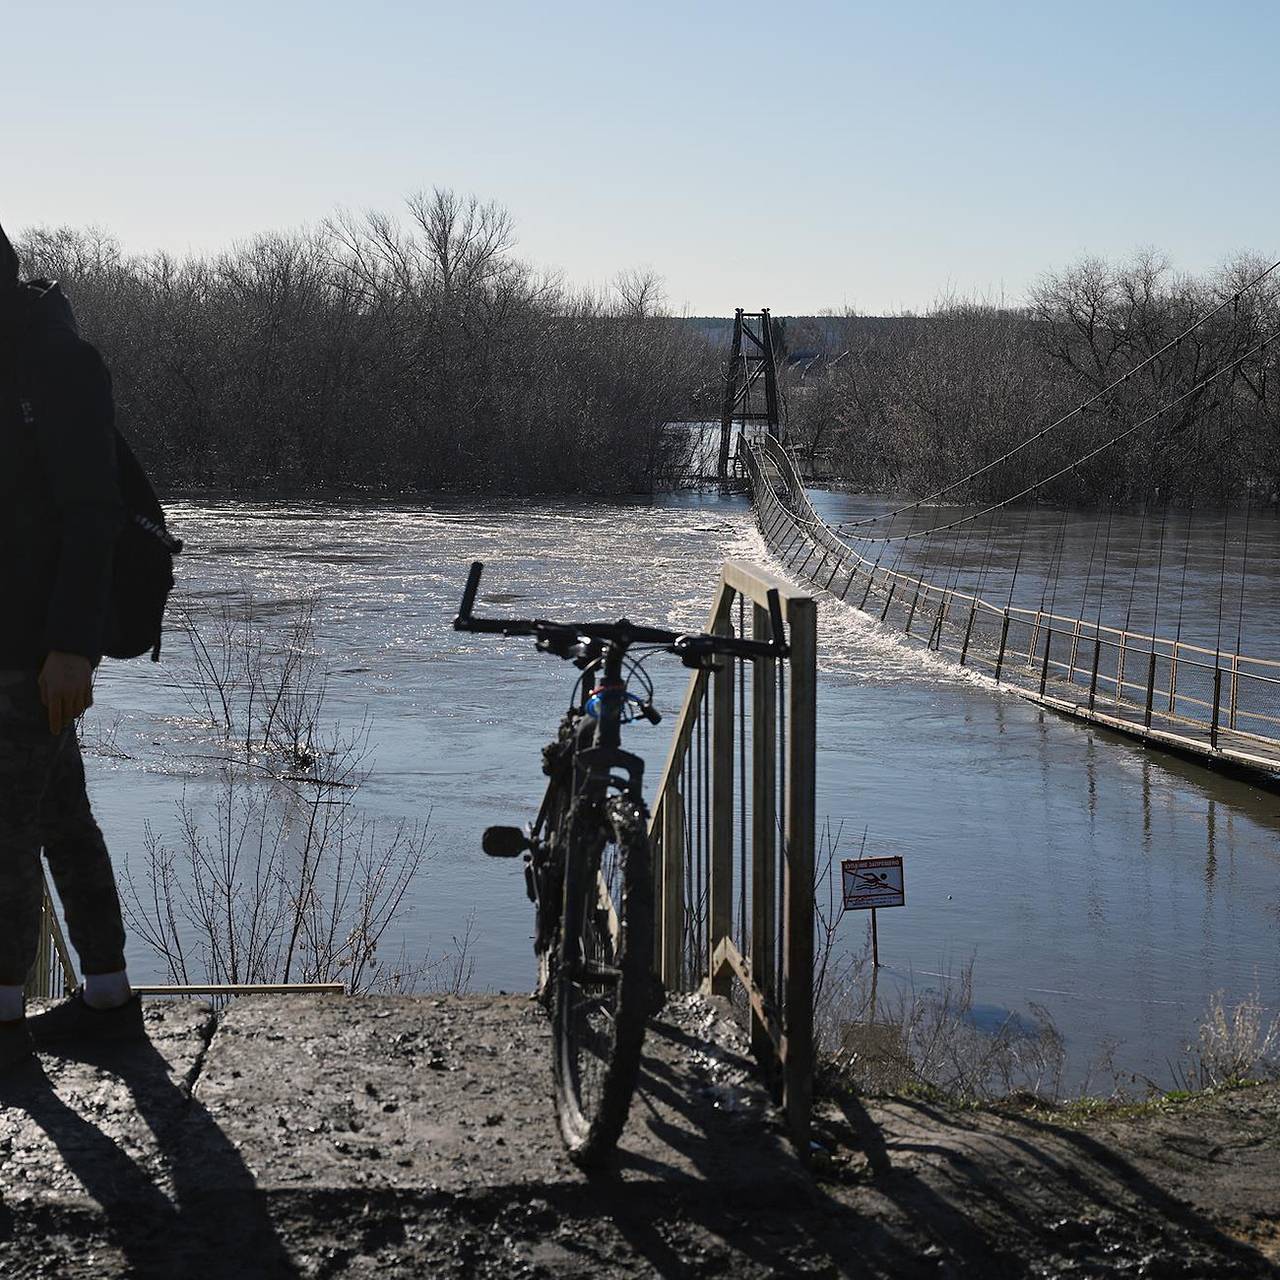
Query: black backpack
[[142, 569], [142, 576]]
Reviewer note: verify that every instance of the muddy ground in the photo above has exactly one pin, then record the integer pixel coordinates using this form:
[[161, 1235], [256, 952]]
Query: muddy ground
[[317, 1136]]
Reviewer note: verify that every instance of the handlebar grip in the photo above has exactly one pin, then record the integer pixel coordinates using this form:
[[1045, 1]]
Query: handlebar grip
[[775, 618], [469, 592]]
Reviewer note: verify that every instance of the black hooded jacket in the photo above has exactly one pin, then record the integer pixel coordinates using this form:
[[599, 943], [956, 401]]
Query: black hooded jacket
[[60, 506]]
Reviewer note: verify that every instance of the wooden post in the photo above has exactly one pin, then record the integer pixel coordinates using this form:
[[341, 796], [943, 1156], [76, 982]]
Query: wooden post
[[1093, 678], [1075, 653], [1217, 696], [1120, 668], [1044, 666], [935, 631], [1004, 636], [764, 841], [1151, 684], [657, 869], [884, 613], [911, 614], [673, 855], [968, 631], [1235, 680], [720, 891], [797, 903]]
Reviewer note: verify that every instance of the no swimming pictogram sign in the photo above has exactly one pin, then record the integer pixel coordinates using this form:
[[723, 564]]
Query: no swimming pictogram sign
[[873, 882]]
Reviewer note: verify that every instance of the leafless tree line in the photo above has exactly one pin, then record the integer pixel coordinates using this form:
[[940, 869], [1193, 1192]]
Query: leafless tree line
[[393, 353], [918, 404]]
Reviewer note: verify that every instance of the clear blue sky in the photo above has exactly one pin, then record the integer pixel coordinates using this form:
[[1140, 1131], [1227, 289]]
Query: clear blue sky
[[802, 156]]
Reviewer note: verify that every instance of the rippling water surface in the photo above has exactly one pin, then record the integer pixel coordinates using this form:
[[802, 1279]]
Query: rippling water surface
[[1114, 887]]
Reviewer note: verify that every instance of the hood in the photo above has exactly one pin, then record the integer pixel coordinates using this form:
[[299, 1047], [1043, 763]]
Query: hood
[[34, 317], [38, 312]]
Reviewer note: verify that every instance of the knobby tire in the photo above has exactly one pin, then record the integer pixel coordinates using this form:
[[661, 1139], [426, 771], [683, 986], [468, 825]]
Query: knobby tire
[[598, 1028]]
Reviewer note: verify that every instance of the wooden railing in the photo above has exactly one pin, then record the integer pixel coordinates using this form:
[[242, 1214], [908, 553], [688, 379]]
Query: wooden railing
[[732, 832]]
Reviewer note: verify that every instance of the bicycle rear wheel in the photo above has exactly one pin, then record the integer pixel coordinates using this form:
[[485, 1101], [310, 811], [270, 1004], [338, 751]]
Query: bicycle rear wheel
[[603, 992]]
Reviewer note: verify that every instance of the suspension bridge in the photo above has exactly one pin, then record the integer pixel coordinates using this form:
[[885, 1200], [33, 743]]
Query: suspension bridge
[[949, 581]]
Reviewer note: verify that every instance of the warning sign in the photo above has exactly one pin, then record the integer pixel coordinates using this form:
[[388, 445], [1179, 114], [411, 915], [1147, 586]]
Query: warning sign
[[873, 882]]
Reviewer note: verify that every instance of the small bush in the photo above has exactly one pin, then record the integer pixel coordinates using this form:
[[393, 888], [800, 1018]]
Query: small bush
[[1234, 1044]]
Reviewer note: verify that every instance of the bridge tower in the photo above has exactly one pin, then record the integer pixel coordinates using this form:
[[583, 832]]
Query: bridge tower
[[751, 382]]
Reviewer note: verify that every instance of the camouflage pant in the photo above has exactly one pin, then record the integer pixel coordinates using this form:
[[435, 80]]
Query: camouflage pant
[[43, 804]]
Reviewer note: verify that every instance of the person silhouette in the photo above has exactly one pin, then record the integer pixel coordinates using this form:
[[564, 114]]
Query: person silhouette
[[61, 512]]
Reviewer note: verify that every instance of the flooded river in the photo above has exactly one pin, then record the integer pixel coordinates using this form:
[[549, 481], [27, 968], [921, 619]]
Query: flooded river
[[1113, 887]]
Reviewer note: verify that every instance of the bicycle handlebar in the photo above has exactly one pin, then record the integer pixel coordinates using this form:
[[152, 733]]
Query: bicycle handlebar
[[679, 642]]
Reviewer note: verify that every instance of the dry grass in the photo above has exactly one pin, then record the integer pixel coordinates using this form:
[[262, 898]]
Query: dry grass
[[931, 1039], [1235, 1043]]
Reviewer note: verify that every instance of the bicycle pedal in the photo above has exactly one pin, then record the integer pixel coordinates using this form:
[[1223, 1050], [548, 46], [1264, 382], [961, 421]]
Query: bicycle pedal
[[504, 842]]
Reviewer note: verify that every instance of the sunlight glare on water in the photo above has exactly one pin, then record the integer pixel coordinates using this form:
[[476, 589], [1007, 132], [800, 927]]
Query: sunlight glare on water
[[1116, 888]]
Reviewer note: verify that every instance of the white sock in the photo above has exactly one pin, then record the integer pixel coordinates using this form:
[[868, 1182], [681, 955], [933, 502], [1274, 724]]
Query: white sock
[[10, 1004], [107, 990]]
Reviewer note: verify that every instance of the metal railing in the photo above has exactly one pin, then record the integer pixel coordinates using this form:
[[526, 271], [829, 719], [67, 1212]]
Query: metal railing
[[1214, 703], [732, 831], [53, 975]]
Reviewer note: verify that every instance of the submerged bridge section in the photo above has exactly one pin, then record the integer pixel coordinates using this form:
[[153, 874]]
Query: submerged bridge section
[[1220, 707]]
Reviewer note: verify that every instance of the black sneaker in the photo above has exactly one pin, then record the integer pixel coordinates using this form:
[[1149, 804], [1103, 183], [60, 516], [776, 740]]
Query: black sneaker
[[73, 1020], [15, 1044]]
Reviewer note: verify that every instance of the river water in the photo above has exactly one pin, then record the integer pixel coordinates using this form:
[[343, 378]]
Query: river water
[[1116, 888]]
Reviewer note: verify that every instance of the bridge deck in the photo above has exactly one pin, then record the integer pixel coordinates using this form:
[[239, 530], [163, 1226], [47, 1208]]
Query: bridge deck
[[1236, 751]]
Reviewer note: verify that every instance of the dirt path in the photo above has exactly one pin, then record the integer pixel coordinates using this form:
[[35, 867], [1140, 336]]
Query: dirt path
[[318, 1137]]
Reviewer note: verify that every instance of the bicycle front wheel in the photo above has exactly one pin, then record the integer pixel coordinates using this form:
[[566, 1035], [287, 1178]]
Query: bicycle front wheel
[[603, 991]]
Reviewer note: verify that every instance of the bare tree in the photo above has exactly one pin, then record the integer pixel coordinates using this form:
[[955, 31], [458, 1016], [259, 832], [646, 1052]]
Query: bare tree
[[282, 878], [390, 353]]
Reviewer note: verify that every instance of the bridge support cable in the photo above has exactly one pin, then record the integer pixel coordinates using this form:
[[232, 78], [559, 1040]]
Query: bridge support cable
[[1098, 398], [1155, 621], [1080, 664], [1187, 398]]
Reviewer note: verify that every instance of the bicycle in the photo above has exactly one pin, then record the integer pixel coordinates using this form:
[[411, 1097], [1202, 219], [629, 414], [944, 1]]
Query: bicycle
[[586, 858]]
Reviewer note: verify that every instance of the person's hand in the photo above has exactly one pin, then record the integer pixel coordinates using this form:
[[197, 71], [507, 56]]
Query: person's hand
[[66, 688]]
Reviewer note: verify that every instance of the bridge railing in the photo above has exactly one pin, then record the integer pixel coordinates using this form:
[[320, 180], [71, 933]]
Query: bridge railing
[[1159, 682], [732, 831]]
